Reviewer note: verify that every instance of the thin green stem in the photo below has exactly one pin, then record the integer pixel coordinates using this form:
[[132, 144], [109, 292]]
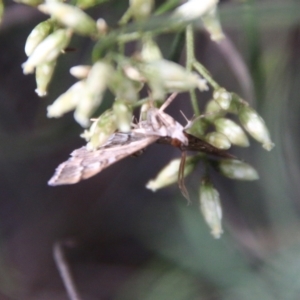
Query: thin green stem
[[126, 17], [194, 102], [205, 73], [166, 6], [190, 56], [140, 102]]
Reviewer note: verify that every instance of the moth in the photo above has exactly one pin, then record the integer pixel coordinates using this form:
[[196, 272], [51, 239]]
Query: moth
[[158, 127], [84, 164]]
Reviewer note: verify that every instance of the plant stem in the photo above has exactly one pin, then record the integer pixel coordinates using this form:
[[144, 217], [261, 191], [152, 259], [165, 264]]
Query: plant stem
[[190, 57], [204, 72], [126, 17], [166, 6], [194, 102]]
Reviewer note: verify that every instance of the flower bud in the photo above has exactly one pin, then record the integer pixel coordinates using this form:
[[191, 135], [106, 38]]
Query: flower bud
[[232, 131], [213, 110], [150, 50], [236, 104], [212, 24], [133, 73], [95, 87], [43, 76], [84, 4], [124, 88], [210, 207], [194, 9], [80, 72], [218, 140], [99, 76], [141, 9], [30, 2], [235, 169], [169, 174], [48, 50], [165, 76], [144, 111], [102, 26], [123, 115], [223, 98], [255, 126], [37, 35], [67, 101], [100, 130], [71, 17]]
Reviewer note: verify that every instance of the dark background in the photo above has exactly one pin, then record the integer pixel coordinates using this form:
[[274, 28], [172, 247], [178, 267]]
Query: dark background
[[123, 241]]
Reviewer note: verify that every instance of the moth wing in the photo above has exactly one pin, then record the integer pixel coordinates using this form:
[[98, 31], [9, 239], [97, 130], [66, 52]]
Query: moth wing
[[84, 164]]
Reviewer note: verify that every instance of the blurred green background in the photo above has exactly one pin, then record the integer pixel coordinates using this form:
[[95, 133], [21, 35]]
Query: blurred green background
[[129, 243]]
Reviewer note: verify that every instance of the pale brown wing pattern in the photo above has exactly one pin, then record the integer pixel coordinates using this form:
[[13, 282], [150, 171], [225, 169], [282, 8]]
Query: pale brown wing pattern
[[84, 164]]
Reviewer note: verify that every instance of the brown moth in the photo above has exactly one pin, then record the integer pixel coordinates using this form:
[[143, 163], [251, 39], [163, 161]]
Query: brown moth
[[158, 127], [84, 164]]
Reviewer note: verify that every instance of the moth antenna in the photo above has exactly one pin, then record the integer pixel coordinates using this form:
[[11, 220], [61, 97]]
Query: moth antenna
[[168, 101], [188, 122], [181, 184], [193, 120]]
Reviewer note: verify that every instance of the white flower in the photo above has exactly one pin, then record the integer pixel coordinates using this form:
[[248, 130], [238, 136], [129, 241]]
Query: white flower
[[193, 9]]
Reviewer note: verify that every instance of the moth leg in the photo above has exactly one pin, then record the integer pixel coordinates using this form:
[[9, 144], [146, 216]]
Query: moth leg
[[64, 270], [181, 178], [168, 101]]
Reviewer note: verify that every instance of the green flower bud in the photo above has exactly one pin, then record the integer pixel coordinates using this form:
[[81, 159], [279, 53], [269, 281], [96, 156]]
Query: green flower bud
[[232, 131], [96, 84], [80, 72], [71, 17], [144, 111], [30, 2], [124, 88], [48, 50], [43, 76], [133, 73], [218, 140], [213, 111], [100, 130], [223, 98], [67, 101], [141, 9], [169, 174], [150, 50], [99, 76], [165, 76], [84, 4], [235, 169], [123, 115], [212, 24], [210, 207], [255, 126], [194, 9], [37, 35], [236, 104]]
